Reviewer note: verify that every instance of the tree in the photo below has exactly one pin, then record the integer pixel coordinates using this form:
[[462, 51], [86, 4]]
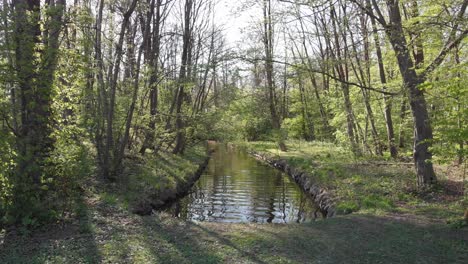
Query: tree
[[383, 80], [36, 55], [184, 72], [268, 45], [412, 80]]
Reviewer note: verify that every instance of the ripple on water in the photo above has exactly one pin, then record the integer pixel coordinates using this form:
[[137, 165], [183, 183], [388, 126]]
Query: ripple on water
[[236, 188]]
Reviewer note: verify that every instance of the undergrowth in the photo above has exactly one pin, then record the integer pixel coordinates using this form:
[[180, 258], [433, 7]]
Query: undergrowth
[[369, 184]]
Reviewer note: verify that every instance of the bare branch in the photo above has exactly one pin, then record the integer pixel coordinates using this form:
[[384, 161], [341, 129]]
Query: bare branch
[[451, 43], [254, 60]]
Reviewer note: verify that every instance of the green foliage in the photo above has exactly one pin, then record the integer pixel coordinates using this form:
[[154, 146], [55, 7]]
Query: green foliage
[[149, 176], [247, 118], [6, 166], [450, 112], [72, 167], [68, 169], [295, 127], [347, 207], [232, 110], [362, 185], [377, 202], [68, 165], [109, 198]]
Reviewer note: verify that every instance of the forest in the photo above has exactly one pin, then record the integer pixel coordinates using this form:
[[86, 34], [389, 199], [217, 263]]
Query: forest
[[120, 119]]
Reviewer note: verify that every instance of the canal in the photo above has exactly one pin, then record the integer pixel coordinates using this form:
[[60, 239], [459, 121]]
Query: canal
[[236, 188]]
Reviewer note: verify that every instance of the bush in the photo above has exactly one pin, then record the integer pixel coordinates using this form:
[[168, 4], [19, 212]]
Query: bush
[[70, 168], [295, 127], [30, 205], [6, 165]]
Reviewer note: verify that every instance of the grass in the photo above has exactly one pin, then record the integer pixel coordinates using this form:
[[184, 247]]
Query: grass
[[124, 238], [104, 230], [145, 175], [366, 186]]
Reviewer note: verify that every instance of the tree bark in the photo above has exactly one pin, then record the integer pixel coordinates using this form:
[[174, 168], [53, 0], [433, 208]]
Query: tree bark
[[184, 72], [35, 72], [109, 150], [422, 125], [153, 57], [342, 72], [387, 99], [268, 44]]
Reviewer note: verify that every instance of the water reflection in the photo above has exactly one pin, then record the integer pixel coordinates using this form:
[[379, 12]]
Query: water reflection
[[237, 188]]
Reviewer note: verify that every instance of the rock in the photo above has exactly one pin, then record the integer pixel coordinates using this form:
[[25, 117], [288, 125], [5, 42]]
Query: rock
[[307, 185], [320, 196], [314, 190]]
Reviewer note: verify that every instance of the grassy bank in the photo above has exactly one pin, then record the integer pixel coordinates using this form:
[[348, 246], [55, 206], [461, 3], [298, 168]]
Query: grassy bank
[[105, 231], [119, 237], [370, 186], [153, 177]]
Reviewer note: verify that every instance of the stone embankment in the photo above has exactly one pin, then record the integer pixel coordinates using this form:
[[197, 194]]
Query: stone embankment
[[319, 195]]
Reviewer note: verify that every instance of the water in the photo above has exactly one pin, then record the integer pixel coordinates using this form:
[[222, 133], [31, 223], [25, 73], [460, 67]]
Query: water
[[237, 188]]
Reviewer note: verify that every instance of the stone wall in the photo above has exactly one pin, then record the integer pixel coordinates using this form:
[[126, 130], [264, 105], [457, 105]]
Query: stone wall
[[320, 196]]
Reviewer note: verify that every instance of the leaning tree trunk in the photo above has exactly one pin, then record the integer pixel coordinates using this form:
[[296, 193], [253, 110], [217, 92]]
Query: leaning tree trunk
[[341, 69], [364, 79], [311, 74]]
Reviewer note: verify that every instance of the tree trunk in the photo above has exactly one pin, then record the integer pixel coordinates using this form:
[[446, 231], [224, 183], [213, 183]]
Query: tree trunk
[[342, 72], [364, 79], [387, 99], [35, 70], [124, 141], [268, 44], [401, 136], [184, 72], [422, 130], [109, 158], [323, 112], [152, 52]]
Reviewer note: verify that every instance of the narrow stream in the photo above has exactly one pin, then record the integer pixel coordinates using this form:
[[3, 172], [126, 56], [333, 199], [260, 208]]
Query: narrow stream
[[237, 188]]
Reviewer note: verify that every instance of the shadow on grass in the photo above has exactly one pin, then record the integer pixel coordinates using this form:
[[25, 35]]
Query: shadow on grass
[[161, 239], [63, 243], [250, 256], [358, 239], [174, 241], [367, 239]]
